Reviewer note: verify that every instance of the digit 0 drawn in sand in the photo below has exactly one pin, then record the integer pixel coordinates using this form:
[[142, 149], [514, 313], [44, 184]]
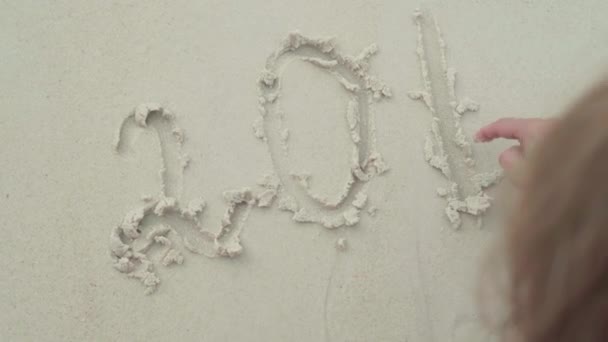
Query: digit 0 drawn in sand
[[352, 72], [170, 227], [447, 147]]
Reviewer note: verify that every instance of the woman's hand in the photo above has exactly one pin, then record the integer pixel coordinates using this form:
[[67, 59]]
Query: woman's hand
[[525, 131]]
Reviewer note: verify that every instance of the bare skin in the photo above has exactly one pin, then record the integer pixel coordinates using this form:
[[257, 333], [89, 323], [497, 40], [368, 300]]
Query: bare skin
[[526, 131]]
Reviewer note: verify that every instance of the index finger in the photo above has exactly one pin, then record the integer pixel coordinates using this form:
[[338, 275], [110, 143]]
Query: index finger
[[506, 128]]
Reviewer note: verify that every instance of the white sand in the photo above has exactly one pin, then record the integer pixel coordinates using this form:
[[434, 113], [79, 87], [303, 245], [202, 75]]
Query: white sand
[[390, 268]]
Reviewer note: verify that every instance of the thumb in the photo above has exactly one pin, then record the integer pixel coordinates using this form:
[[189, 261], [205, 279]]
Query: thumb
[[512, 161], [510, 157]]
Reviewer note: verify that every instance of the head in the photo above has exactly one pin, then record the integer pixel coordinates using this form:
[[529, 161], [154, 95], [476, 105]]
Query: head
[[556, 244]]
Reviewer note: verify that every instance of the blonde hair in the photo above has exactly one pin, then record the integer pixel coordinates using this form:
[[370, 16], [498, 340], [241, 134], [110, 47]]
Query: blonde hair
[[556, 245]]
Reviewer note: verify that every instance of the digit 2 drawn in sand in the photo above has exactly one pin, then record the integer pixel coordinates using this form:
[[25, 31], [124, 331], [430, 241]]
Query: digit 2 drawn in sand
[[173, 227], [352, 72], [447, 148]]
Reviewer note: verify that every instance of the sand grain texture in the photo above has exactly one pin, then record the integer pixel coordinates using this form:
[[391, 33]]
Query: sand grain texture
[[389, 269]]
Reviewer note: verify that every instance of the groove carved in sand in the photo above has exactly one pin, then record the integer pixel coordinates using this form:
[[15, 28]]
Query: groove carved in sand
[[447, 148], [170, 139], [363, 89]]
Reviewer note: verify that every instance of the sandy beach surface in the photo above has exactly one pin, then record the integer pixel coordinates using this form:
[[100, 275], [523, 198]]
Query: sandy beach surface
[[222, 171]]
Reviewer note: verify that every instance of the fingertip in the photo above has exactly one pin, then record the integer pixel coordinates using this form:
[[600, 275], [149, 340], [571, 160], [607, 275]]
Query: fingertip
[[480, 136]]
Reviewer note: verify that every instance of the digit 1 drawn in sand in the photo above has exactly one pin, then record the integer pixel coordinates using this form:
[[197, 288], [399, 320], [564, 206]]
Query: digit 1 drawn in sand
[[172, 227], [352, 72], [447, 148]]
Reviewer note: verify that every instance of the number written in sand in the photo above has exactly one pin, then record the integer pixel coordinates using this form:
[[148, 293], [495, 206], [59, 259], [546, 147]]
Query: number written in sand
[[156, 232]]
